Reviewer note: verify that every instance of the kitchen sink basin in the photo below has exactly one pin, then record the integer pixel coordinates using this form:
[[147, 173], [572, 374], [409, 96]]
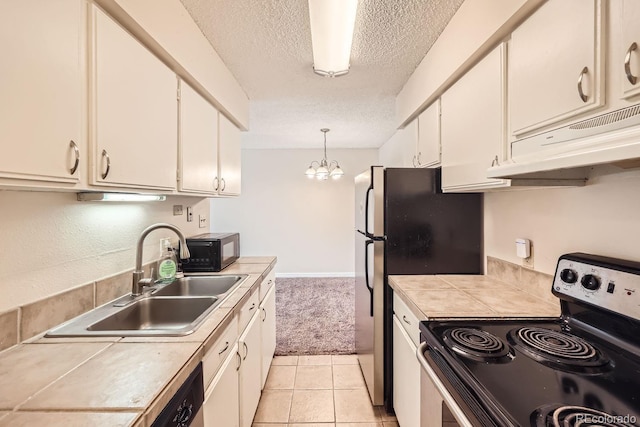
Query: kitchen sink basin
[[168, 310], [201, 286], [165, 314]]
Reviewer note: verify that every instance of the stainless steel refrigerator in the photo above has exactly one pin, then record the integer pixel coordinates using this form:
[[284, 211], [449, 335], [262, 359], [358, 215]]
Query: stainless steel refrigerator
[[404, 225]]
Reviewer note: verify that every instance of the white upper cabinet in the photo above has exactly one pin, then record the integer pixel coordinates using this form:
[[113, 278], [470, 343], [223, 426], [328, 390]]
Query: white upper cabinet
[[135, 112], [627, 55], [473, 135], [556, 64], [229, 153], [41, 81], [198, 154], [428, 149]]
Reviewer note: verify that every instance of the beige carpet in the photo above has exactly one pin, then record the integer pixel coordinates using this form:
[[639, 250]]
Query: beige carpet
[[315, 316]]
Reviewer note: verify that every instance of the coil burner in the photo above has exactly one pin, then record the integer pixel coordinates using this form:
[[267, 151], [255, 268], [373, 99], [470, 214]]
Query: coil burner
[[578, 416], [477, 345], [558, 349]]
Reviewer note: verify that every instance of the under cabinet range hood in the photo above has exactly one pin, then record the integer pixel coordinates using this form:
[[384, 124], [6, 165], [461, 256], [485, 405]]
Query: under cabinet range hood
[[612, 138]]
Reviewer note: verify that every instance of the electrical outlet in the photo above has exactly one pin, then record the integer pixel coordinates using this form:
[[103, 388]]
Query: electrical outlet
[[189, 214], [177, 210], [528, 262], [162, 243], [203, 221]]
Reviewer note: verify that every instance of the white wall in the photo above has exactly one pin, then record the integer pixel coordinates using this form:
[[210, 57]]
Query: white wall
[[307, 224], [601, 218], [49, 242]]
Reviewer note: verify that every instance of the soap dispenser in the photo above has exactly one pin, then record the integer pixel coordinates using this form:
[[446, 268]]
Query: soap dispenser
[[168, 265]]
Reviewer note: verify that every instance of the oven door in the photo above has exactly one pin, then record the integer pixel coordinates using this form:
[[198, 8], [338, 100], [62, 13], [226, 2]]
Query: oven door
[[438, 408]]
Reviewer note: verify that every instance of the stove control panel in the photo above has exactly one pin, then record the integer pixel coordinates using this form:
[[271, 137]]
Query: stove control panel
[[604, 282]]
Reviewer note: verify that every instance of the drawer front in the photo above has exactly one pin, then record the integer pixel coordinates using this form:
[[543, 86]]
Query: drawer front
[[220, 350], [267, 283], [408, 320], [250, 307]]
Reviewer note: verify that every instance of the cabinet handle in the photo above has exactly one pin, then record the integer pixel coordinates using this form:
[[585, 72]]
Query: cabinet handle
[[584, 97], [224, 184], [76, 152], [495, 162], [224, 349], [265, 314], [239, 360], [216, 183], [414, 162], [246, 350], [627, 64], [105, 155], [404, 319], [419, 162], [252, 306]]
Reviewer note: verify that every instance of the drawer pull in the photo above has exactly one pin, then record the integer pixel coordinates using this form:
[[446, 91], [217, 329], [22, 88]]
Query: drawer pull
[[265, 314], [584, 97], [239, 360], [627, 64], [252, 306], [246, 350], [404, 319], [224, 349]]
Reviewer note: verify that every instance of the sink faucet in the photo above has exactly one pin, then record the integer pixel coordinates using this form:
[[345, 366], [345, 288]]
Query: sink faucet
[[138, 275]]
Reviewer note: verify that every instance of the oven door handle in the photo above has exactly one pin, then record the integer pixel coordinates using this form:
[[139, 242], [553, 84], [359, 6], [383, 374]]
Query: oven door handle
[[446, 396]]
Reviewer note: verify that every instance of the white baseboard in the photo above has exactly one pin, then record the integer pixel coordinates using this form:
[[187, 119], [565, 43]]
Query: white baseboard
[[346, 274]]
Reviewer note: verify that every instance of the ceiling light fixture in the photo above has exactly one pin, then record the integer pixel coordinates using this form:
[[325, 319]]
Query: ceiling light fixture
[[324, 169], [119, 197], [332, 23]]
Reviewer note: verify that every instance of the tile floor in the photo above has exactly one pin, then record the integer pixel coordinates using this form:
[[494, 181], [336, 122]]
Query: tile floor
[[318, 391]]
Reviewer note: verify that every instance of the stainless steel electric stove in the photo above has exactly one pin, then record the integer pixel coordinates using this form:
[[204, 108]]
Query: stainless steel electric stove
[[581, 369]]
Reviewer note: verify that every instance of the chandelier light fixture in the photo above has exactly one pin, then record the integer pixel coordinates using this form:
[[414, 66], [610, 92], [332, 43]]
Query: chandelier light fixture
[[332, 23], [324, 170]]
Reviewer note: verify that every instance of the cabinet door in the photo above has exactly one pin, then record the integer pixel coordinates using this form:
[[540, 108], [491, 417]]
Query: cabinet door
[[41, 78], [198, 154], [473, 125], [135, 112], [406, 377], [554, 48], [250, 380], [268, 317], [429, 136], [627, 57], [230, 157], [222, 404]]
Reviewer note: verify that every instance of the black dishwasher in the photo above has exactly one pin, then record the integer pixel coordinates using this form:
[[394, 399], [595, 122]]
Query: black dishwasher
[[184, 409]]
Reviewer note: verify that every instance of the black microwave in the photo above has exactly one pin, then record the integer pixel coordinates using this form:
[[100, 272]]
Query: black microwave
[[211, 252]]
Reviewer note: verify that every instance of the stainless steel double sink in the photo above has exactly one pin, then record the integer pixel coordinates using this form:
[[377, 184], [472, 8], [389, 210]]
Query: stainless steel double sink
[[172, 309]]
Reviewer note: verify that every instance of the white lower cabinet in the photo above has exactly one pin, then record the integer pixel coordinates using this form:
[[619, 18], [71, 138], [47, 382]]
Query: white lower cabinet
[[250, 350], [222, 398], [406, 378], [268, 330]]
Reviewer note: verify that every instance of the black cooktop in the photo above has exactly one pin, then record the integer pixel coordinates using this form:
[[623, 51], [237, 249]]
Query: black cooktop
[[530, 372]]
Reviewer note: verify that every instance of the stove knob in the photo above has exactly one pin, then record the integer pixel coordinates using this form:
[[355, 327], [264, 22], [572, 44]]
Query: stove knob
[[569, 276], [591, 282]]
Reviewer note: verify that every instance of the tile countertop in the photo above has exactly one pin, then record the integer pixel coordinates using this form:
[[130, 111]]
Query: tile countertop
[[439, 297], [113, 381]]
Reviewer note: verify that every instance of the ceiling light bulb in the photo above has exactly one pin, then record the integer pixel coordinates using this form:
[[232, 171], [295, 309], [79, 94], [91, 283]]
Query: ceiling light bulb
[[337, 172], [311, 172], [332, 23], [322, 172]]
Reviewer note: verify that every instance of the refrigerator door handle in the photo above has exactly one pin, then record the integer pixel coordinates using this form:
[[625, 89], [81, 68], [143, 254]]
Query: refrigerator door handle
[[366, 274], [366, 211]]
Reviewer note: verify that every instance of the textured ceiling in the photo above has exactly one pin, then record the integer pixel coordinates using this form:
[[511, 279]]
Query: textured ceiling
[[267, 45]]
